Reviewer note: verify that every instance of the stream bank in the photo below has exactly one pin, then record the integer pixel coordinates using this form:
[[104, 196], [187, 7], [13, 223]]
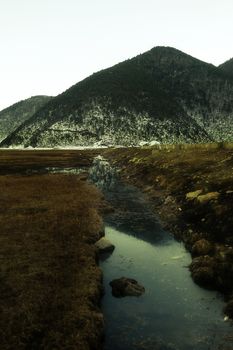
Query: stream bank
[[192, 193], [174, 313]]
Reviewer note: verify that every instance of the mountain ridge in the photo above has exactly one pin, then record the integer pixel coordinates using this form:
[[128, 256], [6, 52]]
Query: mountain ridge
[[162, 95], [13, 116], [227, 67]]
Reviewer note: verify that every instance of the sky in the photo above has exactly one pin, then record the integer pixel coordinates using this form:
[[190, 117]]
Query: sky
[[49, 45]]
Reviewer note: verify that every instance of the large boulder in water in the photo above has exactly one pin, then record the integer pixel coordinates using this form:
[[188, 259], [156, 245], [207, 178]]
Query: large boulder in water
[[123, 286], [104, 245]]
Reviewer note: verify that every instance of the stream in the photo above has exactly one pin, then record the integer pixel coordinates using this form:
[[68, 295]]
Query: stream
[[174, 313]]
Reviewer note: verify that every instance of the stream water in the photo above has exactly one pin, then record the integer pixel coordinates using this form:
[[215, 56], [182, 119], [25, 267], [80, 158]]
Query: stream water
[[174, 313]]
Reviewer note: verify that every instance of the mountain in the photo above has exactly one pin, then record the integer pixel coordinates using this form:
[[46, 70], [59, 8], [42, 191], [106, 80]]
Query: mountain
[[15, 115], [163, 95], [227, 67]]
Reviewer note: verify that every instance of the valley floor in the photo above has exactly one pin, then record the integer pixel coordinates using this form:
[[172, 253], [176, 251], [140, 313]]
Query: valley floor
[[50, 282]]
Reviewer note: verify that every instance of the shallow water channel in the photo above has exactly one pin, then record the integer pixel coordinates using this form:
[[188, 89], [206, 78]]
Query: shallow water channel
[[174, 313]]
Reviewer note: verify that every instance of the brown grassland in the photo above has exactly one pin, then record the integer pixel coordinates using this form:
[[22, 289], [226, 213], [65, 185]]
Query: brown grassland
[[50, 284]]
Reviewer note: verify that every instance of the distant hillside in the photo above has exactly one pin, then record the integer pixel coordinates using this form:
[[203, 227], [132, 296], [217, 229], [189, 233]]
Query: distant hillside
[[227, 67], [15, 115], [163, 95]]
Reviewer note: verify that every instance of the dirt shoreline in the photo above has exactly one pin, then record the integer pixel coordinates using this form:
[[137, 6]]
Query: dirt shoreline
[[192, 193]]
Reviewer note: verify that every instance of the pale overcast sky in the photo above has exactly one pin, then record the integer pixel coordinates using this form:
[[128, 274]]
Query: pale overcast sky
[[49, 45]]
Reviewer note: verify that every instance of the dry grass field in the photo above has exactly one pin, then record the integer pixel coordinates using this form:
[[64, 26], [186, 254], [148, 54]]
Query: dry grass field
[[50, 284]]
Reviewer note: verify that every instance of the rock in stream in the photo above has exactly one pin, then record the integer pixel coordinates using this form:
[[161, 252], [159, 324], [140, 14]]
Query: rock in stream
[[104, 245], [122, 287]]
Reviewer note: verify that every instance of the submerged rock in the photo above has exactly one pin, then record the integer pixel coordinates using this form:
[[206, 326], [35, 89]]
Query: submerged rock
[[123, 286], [202, 247], [104, 245]]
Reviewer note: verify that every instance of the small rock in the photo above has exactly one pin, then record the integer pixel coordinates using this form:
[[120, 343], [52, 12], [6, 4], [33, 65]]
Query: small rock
[[201, 247], [193, 195], [204, 198], [123, 286], [104, 245]]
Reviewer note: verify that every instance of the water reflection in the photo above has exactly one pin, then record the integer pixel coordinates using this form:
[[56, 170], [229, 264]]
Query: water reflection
[[174, 313], [133, 215]]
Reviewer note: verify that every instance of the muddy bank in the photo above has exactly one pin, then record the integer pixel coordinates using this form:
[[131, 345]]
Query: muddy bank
[[51, 285], [192, 192]]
